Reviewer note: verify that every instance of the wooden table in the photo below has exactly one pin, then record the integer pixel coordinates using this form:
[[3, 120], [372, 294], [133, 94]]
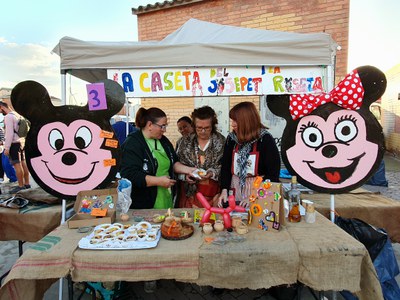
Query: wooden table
[[319, 255], [373, 208]]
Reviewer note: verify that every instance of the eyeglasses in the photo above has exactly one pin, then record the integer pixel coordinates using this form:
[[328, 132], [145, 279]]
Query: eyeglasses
[[162, 127], [203, 129]]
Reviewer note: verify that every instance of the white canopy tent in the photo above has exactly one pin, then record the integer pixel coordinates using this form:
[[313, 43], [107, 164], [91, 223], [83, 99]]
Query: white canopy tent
[[197, 44]]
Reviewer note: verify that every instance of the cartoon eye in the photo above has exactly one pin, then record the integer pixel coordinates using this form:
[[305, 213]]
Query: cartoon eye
[[312, 137], [346, 130], [56, 139], [83, 137]]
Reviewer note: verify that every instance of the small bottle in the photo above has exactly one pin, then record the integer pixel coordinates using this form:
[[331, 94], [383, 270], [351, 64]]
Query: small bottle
[[294, 202]]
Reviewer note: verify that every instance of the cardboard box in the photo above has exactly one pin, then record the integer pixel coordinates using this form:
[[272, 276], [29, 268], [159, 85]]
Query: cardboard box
[[87, 202]]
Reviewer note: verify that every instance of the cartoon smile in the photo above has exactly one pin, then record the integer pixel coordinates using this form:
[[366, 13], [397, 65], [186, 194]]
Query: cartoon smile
[[336, 175], [70, 180]]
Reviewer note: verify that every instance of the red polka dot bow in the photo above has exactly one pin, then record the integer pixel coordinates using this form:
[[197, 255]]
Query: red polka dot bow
[[348, 94]]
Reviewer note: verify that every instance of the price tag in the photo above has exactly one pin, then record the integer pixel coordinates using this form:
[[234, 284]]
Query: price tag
[[99, 212], [96, 96]]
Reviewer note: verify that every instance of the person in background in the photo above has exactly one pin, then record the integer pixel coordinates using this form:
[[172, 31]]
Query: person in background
[[119, 128], [150, 162], [14, 148], [250, 151], [185, 127], [202, 149], [5, 166]]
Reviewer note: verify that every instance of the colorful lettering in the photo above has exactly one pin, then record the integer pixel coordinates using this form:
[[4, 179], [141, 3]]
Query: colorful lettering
[[178, 81], [257, 82], [169, 84], [237, 84], [318, 84], [156, 82], [187, 81], [277, 80], [127, 82], [243, 82], [229, 85], [143, 76], [212, 73], [213, 87]]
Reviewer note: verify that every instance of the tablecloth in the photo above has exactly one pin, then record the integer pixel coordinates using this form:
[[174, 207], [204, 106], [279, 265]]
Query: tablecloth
[[320, 255], [373, 208]]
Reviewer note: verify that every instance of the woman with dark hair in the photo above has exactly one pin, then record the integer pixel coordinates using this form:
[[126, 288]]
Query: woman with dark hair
[[185, 127], [250, 151], [149, 161], [203, 150]]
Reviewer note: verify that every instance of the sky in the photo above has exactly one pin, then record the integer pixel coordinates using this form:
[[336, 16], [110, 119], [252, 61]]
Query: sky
[[29, 30]]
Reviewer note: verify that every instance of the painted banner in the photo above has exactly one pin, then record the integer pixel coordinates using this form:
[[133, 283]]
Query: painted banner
[[228, 81]]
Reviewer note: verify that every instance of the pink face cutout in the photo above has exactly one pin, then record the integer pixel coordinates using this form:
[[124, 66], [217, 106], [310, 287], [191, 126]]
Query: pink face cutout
[[335, 153], [71, 157]]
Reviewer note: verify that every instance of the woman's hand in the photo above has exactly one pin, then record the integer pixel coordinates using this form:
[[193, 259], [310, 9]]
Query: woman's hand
[[223, 198], [208, 175], [166, 181], [190, 179]]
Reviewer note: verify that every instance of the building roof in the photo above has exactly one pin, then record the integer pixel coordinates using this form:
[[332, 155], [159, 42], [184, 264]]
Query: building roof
[[143, 9]]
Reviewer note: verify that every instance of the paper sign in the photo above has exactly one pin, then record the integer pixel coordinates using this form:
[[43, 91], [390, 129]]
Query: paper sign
[[111, 143], [99, 212], [96, 96], [106, 134], [109, 162]]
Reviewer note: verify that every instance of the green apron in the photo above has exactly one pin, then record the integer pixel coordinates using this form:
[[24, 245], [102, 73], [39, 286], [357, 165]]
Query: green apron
[[164, 197]]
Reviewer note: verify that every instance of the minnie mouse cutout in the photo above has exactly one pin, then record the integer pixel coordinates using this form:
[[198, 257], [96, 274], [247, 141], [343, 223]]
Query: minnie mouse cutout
[[332, 142], [69, 148]]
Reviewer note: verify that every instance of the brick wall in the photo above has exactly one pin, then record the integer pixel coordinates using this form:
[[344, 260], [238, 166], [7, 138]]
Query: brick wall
[[330, 16], [390, 106]]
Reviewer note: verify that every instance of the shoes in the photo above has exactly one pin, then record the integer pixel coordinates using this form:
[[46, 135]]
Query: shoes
[[16, 189], [27, 186], [150, 286]]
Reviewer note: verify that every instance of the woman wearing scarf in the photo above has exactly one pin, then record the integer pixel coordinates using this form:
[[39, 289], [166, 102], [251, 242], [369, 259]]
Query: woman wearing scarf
[[250, 151], [202, 149]]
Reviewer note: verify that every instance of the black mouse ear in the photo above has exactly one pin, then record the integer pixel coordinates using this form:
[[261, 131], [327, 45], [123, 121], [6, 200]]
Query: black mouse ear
[[115, 95], [374, 83], [30, 98], [279, 105]]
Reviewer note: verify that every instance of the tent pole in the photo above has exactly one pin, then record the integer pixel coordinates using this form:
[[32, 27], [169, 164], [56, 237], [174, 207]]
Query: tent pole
[[64, 202], [63, 88], [126, 115]]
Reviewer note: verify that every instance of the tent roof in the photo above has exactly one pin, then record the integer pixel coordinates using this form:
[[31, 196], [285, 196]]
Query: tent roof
[[197, 44]]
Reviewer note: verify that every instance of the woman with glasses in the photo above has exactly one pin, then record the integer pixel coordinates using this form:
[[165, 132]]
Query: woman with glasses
[[203, 150], [149, 161], [250, 151]]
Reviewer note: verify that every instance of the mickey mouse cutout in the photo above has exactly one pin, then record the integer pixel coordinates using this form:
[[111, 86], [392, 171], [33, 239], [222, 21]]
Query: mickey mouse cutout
[[331, 141], [69, 148]]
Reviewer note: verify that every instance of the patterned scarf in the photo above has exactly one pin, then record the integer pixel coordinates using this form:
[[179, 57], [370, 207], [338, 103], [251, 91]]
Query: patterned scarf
[[243, 154]]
